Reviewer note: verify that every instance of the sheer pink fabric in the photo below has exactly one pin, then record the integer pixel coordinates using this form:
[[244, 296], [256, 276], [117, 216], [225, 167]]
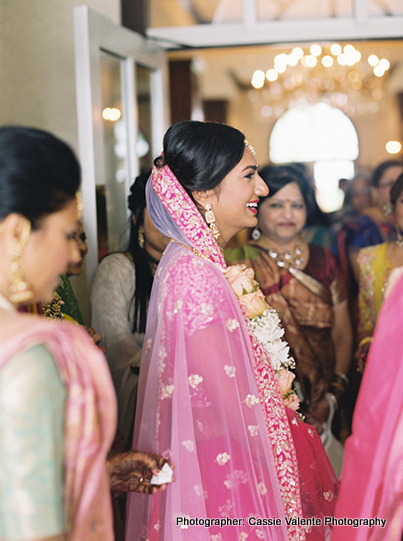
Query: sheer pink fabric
[[90, 416], [199, 403], [372, 475]]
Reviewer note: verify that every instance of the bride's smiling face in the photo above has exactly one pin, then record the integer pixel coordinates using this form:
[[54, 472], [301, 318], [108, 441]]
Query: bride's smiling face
[[234, 201]]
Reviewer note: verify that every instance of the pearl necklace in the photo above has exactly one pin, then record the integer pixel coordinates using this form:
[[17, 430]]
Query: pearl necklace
[[287, 260]]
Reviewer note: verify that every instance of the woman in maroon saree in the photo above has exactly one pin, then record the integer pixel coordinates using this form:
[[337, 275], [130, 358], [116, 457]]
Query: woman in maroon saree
[[302, 282]]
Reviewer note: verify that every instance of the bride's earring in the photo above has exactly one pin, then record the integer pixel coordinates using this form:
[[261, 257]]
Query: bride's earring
[[256, 234], [210, 219], [19, 289], [399, 240]]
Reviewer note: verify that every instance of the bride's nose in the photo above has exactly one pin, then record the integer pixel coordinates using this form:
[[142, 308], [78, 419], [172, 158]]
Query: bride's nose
[[261, 188]]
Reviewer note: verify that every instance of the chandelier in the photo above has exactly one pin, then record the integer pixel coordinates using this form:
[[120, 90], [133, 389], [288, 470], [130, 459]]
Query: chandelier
[[334, 74]]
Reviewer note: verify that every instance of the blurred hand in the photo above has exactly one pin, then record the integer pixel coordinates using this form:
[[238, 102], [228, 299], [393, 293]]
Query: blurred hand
[[318, 414], [94, 335], [361, 355], [132, 472]]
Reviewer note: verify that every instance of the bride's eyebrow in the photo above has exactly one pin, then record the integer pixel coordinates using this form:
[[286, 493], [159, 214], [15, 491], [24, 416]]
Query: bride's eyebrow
[[254, 167]]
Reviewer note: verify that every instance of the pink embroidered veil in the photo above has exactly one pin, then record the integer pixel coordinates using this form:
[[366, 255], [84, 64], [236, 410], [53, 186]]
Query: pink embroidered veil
[[199, 404], [198, 401]]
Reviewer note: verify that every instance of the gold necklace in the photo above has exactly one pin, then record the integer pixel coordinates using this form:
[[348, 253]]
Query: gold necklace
[[196, 252]]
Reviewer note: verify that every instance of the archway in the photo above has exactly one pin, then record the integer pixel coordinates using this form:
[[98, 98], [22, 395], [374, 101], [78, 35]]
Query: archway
[[323, 136]]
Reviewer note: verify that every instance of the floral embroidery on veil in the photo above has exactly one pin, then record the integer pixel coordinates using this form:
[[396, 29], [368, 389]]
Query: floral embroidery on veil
[[201, 242]]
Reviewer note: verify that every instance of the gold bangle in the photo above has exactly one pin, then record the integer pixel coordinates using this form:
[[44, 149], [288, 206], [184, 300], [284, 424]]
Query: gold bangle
[[366, 340]]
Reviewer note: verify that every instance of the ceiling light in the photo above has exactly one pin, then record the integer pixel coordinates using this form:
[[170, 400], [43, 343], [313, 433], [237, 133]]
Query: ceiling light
[[393, 147], [335, 49], [316, 50], [373, 60], [327, 61]]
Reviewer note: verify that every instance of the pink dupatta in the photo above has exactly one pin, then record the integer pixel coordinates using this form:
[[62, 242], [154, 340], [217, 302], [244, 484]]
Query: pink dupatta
[[90, 416], [199, 403]]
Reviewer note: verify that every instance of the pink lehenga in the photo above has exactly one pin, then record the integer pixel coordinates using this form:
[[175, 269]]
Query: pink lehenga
[[245, 468]]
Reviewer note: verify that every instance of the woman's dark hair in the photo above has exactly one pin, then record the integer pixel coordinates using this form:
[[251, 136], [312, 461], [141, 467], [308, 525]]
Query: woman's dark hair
[[144, 276], [396, 189], [39, 173], [201, 154], [380, 170]]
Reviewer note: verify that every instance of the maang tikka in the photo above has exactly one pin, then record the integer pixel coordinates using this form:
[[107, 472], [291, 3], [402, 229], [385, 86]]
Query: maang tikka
[[19, 289], [210, 219]]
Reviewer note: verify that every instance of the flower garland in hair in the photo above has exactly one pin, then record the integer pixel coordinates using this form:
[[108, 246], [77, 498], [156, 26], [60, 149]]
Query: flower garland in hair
[[264, 324]]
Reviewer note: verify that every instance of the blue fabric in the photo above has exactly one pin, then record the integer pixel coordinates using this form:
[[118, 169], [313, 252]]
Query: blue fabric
[[32, 406], [366, 232]]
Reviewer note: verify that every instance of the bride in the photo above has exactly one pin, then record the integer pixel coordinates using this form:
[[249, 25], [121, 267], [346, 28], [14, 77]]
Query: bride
[[210, 398]]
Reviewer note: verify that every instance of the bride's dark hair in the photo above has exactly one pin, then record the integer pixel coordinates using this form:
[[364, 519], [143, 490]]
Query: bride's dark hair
[[201, 154]]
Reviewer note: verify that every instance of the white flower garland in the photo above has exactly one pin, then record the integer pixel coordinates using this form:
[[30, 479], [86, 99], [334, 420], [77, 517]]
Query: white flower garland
[[267, 330]]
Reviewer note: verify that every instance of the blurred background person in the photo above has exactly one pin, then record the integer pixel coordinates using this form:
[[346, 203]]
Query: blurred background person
[[302, 282], [375, 224], [64, 304], [357, 198], [119, 302], [375, 266]]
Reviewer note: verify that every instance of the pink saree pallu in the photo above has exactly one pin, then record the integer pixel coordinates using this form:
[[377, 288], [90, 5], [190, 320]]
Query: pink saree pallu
[[370, 507], [90, 418]]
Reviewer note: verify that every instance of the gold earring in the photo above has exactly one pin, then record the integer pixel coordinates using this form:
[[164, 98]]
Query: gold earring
[[210, 219], [20, 289], [140, 235]]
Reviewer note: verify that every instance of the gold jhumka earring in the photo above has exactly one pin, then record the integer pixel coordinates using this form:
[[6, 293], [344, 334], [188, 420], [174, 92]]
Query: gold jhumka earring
[[210, 219], [19, 289], [140, 236]]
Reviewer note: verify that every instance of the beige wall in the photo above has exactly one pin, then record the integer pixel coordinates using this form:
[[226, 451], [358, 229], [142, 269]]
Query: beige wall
[[37, 77]]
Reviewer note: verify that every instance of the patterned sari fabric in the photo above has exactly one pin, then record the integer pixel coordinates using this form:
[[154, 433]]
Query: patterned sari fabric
[[209, 401], [90, 416], [304, 300], [375, 268], [370, 506]]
